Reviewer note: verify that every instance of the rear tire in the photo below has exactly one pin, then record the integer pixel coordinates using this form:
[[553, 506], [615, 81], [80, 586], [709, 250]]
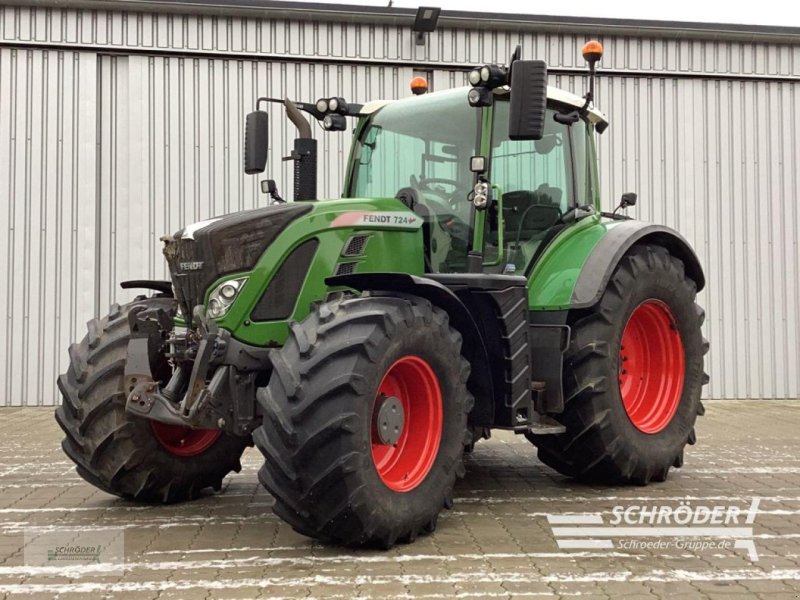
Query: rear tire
[[121, 454], [331, 477], [629, 413]]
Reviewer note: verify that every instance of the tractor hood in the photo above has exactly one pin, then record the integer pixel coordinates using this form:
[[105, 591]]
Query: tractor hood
[[202, 252]]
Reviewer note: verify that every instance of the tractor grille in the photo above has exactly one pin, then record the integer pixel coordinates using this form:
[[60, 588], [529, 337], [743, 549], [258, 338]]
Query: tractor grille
[[199, 256], [278, 300], [192, 272]]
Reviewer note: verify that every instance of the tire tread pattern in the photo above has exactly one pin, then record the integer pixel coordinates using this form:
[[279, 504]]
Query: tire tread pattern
[[311, 406], [117, 452], [593, 448]]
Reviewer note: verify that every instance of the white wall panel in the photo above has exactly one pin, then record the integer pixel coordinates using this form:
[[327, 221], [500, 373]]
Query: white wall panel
[[116, 128], [717, 160], [48, 215]]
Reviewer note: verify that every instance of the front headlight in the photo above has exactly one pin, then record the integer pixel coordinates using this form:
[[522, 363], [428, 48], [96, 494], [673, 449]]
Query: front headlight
[[221, 297]]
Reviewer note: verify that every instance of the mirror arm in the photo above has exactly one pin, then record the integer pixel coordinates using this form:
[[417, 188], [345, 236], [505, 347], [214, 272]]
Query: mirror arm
[[353, 109]]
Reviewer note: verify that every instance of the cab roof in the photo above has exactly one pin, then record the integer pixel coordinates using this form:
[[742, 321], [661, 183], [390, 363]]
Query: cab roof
[[554, 94]]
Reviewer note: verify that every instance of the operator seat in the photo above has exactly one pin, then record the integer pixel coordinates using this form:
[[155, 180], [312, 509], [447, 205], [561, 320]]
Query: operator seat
[[529, 216], [530, 213]]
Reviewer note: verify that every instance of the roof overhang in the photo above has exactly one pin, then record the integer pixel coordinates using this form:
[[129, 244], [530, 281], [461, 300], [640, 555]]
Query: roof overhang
[[449, 18], [554, 94]]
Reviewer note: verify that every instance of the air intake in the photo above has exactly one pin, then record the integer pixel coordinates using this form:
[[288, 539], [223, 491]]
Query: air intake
[[279, 298], [346, 268], [355, 245]]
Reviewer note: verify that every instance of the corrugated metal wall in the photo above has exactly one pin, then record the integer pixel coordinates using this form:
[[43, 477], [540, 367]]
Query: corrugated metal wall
[[118, 127], [48, 117]]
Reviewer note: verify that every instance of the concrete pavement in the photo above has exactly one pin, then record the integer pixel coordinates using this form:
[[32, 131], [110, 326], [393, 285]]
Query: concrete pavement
[[497, 542]]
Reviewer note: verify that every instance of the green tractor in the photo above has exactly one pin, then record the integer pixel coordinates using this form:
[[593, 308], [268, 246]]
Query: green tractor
[[467, 280]]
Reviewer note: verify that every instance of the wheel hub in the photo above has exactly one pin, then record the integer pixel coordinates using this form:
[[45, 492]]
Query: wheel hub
[[389, 419], [184, 441], [407, 419], [651, 366]]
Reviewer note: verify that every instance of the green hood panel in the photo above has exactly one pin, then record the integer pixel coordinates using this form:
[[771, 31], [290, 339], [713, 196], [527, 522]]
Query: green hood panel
[[394, 244]]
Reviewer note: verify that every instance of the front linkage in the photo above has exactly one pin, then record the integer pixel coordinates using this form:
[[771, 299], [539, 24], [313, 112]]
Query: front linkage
[[213, 384]]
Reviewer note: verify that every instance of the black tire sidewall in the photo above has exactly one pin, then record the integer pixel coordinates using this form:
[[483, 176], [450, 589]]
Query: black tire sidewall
[[667, 287], [433, 345], [119, 452]]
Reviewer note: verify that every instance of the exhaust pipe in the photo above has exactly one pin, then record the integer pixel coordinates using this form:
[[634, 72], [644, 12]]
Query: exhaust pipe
[[304, 155]]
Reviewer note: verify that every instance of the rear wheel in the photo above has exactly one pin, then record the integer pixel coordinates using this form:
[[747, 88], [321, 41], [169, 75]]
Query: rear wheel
[[365, 420], [124, 455], [632, 376], [652, 369]]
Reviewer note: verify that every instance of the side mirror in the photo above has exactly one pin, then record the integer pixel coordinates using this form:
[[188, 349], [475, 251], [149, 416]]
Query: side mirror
[[628, 199], [256, 142], [528, 100]]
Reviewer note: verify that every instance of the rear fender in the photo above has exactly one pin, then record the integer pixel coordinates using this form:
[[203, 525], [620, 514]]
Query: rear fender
[[600, 265], [575, 268]]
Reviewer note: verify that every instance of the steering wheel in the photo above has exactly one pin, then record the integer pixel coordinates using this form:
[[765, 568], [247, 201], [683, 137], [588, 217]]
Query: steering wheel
[[425, 184]]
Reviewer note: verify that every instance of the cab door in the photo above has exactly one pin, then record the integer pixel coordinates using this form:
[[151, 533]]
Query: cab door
[[536, 184]]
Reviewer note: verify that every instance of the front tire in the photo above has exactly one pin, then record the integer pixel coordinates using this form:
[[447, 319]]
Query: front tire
[[342, 465], [124, 455], [632, 376]]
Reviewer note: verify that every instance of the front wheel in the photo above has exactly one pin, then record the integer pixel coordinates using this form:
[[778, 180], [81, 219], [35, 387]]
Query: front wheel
[[122, 454], [632, 376], [365, 421]]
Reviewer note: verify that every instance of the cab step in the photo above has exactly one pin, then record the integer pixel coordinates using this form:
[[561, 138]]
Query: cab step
[[544, 425]]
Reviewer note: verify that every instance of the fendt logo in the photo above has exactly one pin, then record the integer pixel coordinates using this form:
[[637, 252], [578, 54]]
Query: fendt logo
[[191, 266]]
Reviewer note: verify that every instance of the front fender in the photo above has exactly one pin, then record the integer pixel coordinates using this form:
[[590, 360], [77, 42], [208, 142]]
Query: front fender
[[473, 346], [574, 271]]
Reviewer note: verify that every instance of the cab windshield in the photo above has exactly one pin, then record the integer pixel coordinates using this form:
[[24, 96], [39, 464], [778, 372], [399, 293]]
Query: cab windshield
[[418, 149]]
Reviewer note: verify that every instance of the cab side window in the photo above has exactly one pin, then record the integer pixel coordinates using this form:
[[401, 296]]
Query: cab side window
[[535, 180]]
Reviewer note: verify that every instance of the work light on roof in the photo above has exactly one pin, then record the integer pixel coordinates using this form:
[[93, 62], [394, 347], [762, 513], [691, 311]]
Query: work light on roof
[[337, 105], [483, 80], [479, 96], [489, 76], [334, 122], [332, 105]]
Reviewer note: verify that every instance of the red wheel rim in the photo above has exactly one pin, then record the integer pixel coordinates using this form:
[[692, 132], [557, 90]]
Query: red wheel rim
[[404, 465], [184, 441], [651, 366]]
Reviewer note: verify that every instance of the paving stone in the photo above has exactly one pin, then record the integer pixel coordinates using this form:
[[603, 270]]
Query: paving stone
[[495, 543]]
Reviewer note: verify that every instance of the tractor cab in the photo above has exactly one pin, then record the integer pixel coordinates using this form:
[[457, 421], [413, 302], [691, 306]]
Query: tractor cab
[[431, 151], [494, 171]]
